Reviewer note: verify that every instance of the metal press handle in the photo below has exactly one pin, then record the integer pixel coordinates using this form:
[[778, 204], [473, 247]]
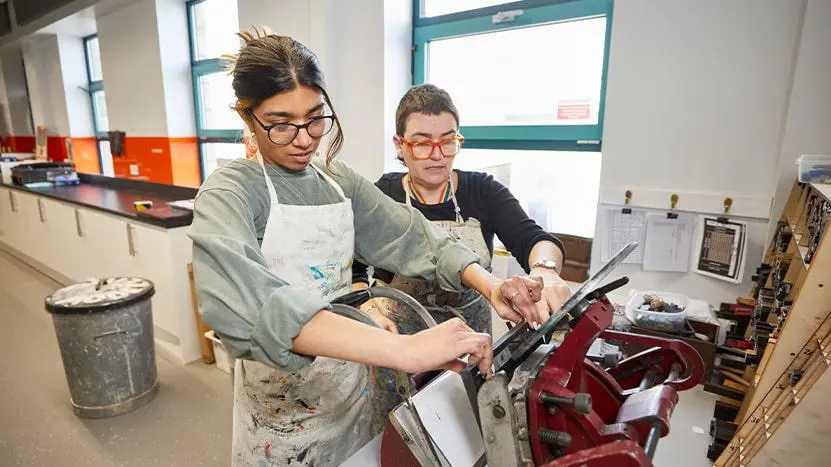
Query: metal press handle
[[78, 228], [131, 247], [40, 210]]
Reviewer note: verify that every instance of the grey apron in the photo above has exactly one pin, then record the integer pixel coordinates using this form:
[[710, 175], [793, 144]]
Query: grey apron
[[469, 305]]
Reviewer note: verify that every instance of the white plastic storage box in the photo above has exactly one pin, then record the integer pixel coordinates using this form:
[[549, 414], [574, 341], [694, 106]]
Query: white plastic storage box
[[814, 168], [223, 361], [657, 320]]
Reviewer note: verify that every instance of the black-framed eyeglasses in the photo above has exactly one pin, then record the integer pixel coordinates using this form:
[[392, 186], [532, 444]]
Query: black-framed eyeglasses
[[284, 133]]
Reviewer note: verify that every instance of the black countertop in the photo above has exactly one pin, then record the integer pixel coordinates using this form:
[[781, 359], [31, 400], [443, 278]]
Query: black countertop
[[116, 196]]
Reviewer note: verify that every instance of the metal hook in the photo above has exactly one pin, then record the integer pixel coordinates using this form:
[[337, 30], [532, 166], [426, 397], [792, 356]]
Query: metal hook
[[627, 199], [728, 203]]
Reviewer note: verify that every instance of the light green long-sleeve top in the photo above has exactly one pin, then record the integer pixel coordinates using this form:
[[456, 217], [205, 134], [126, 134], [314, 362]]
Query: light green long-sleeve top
[[256, 313]]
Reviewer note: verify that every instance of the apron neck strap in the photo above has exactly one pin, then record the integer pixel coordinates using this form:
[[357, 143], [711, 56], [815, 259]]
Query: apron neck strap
[[448, 193], [273, 193], [331, 181]]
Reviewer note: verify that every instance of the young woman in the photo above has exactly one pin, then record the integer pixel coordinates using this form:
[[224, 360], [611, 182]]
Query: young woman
[[472, 206], [273, 243]]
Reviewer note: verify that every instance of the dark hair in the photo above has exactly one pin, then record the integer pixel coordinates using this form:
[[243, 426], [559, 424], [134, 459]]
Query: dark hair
[[268, 64], [423, 98]]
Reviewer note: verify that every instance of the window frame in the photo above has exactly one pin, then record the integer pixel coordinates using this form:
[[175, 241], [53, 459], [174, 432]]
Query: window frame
[[94, 87], [199, 68], [535, 13]]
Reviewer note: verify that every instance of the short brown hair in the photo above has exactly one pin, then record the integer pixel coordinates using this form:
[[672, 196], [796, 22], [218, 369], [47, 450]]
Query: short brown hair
[[423, 98]]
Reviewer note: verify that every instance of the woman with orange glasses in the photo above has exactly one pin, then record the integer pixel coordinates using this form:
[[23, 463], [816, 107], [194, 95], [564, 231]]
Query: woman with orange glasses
[[472, 206]]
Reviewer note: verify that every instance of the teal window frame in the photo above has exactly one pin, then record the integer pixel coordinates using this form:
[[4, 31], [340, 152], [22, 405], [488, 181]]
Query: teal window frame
[[201, 68], [535, 12], [92, 88]]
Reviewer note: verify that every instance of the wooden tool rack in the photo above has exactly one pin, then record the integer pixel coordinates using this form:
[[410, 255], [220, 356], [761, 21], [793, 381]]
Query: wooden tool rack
[[785, 417]]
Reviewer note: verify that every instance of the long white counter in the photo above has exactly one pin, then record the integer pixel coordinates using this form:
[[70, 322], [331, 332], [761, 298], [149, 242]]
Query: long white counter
[[71, 241]]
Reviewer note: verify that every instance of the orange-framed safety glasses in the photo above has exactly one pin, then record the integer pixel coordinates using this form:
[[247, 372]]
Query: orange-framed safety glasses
[[448, 147]]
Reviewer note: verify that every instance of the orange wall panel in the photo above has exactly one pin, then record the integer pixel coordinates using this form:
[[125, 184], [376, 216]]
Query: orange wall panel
[[184, 156], [149, 155], [154, 159], [85, 155]]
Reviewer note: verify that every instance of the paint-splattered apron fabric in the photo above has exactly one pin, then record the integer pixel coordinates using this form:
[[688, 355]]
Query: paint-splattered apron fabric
[[443, 305], [320, 414], [469, 305]]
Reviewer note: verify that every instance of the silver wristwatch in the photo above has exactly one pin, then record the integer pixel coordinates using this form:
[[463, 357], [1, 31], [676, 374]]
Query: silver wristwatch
[[547, 264]]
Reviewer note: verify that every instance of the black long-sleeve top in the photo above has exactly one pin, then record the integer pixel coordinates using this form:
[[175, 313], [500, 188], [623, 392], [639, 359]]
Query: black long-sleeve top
[[483, 198]]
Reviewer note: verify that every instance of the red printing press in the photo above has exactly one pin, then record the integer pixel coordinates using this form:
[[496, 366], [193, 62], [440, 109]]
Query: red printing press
[[550, 405]]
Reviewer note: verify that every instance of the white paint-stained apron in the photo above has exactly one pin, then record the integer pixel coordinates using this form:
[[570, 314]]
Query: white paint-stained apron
[[320, 414]]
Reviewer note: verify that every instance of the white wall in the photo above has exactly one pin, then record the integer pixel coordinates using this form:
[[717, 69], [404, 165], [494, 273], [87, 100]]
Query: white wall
[[41, 58], [17, 93], [174, 52], [145, 59], [398, 56], [286, 18], [6, 118], [358, 83], [364, 49], [132, 70], [808, 125], [695, 103]]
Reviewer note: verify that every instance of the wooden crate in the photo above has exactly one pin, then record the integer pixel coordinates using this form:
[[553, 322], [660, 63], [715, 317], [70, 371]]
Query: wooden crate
[[578, 257]]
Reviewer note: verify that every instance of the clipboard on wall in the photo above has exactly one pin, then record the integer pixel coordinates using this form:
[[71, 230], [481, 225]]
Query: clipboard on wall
[[721, 249]]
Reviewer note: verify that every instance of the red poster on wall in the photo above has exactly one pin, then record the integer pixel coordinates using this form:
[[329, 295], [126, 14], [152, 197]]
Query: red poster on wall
[[573, 111]]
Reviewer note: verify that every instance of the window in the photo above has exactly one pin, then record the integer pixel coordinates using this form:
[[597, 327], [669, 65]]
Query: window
[[98, 101], [432, 8], [99, 110], [217, 155], [529, 81], [538, 179], [212, 25], [216, 97], [93, 59]]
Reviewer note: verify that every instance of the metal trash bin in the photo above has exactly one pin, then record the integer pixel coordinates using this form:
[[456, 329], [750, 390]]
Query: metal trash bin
[[105, 334]]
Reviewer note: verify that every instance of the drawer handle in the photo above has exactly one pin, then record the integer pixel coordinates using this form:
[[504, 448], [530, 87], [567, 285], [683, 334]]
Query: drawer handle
[[11, 202], [40, 210], [78, 223], [131, 247]]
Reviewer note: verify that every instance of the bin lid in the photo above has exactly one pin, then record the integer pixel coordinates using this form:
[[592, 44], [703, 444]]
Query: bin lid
[[96, 295]]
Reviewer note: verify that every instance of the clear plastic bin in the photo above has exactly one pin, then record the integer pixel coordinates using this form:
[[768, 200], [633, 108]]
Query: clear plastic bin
[[657, 320], [814, 168]]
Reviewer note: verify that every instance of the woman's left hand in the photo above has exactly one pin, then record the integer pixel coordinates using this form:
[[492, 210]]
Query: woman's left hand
[[555, 292], [515, 299]]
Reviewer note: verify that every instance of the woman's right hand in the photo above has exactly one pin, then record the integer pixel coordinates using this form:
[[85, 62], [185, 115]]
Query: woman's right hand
[[443, 346]]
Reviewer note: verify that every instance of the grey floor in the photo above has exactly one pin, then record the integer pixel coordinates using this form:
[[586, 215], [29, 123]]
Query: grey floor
[[188, 424], [689, 435]]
